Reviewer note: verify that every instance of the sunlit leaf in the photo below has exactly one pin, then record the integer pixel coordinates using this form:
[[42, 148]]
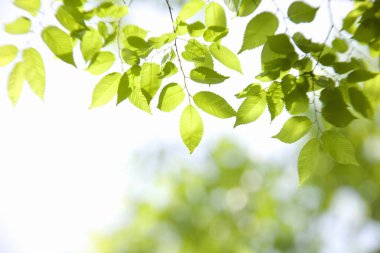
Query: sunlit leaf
[[213, 104], [109, 9], [251, 109], [247, 7], [306, 45], [101, 62], [360, 102], [31, 6], [232, 4], [309, 159], [59, 43], [191, 127], [91, 44], [215, 15], [191, 8], [34, 71], [168, 70], [206, 75], [150, 78], [124, 89], [280, 43], [296, 101], [105, 90], [225, 56], [16, 82], [18, 26], [196, 29], [7, 54], [70, 18], [158, 42], [275, 100], [139, 100], [339, 147], [215, 33], [258, 29], [198, 53], [301, 12], [171, 96], [294, 129]]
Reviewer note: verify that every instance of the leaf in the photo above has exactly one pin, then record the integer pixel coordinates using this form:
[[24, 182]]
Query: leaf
[[306, 45], [206, 75], [225, 56], [300, 12], [280, 43], [247, 7], [109, 9], [191, 8], [258, 29], [7, 54], [360, 102], [34, 71], [139, 100], [19, 26], [134, 30], [309, 159], [158, 42], [124, 89], [168, 70], [340, 45], [275, 100], [150, 80], [360, 75], [215, 15], [367, 30], [213, 104], [198, 53], [294, 129], [339, 147], [196, 29], [59, 43], [343, 67], [70, 18], [191, 127], [31, 6], [171, 96], [215, 33], [251, 109], [91, 44], [296, 101], [101, 62], [16, 82], [130, 57], [105, 90], [232, 4]]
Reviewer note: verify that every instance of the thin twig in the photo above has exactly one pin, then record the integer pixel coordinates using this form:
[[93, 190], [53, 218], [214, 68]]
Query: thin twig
[[118, 45]]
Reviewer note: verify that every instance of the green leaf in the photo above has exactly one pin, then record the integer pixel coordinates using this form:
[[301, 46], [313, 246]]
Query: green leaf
[[168, 70], [31, 6], [360, 102], [296, 101], [258, 29], [339, 147], [196, 29], [309, 160], [124, 89], [7, 54], [191, 127], [105, 90], [247, 7], [360, 75], [328, 59], [150, 78], [70, 18], [109, 9], [171, 97], [280, 43], [130, 57], [206, 75], [191, 8], [101, 62], [34, 71], [16, 82], [59, 43], [18, 26], [343, 67], [275, 100], [158, 42], [306, 45], [214, 104], [300, 12], [251, 109], [225, 56], [215, 33], [367, 30], [232, 4], [137, 44], [215, 15], [197, 53], [294, 129], [134, 30], [91, 44], [139, 100], [340, 45]]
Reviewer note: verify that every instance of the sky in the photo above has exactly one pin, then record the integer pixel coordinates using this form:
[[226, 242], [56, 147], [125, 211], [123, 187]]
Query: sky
[[64, 168]]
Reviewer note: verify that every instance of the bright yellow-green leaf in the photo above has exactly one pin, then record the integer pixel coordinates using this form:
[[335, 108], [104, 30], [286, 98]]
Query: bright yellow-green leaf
[[339, 147], [7, 54], [198, 53], [34, 71], [294, 129], [310, 159], [70, 18], [191, 127], [59, 43], [275, 100], [31, 6], [19, 26], [139, 100], [225, 56], [247, 7], [91, 44], [191, 8], [300, 12], [206, 75], [124, 90], [213, 104], [215, 33], [150, 80], [232, 4], [171, 96], [109, 9], [196, 29], [168, 70], [251, 109], [258, 29], [105, 90], [215, 15], [101, 62], [158, 42], [16, 82]]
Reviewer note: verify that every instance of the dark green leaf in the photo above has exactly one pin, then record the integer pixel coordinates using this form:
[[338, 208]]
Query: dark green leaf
[[340, 45], [280, 43], [296, 101], [124, 89], [360, 102], [360, 75]]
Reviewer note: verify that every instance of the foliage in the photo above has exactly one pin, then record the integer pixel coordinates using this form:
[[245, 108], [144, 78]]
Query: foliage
[[296, 71]]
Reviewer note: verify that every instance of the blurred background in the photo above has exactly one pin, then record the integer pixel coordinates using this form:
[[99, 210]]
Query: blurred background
[[116, 180]]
